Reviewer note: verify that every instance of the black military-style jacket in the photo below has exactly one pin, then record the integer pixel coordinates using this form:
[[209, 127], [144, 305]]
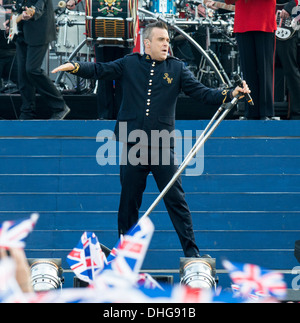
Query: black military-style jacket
[[150, 91]]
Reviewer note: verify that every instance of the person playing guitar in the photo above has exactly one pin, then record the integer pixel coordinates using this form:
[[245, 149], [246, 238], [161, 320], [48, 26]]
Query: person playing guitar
[[15, 19], [8, 66], [37, 31], [286, 51]]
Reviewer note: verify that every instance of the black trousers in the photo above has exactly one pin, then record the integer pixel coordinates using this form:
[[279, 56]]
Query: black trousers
[[32, 79], [287, 53], [257, 51], [133, 181]]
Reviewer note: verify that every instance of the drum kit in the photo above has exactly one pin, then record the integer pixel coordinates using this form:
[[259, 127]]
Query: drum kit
[[211, 51]]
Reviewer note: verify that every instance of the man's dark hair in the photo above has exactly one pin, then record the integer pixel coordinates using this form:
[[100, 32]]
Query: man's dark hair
[[148, 29]]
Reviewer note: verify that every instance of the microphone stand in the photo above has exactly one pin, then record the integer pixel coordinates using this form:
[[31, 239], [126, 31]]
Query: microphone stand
[[219, 116]]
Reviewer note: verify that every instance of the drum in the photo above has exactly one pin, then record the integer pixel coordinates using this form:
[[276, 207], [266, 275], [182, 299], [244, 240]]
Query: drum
[[111, 22], [71, 32], [165, 7]]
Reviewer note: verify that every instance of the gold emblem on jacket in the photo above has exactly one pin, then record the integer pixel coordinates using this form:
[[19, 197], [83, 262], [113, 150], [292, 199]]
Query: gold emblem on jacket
[[166, 77]]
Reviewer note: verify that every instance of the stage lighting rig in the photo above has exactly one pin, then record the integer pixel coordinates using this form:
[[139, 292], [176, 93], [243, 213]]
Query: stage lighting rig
[[198, 272], [46, 274]]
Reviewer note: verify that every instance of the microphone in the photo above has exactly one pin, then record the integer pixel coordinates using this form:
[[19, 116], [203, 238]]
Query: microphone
[[238, 82]]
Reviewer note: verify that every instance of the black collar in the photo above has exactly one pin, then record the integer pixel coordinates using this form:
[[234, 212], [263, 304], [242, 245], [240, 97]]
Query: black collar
[[148, 59]]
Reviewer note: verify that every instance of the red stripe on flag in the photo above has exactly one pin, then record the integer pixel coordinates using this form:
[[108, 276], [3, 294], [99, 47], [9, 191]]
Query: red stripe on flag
[[131, 246]]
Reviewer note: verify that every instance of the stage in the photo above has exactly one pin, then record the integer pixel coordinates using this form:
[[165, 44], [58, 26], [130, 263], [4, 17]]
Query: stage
[[244, 204], [84, 107]]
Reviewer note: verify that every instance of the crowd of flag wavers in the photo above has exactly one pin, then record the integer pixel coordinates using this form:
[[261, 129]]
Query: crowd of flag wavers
[[117, 278]]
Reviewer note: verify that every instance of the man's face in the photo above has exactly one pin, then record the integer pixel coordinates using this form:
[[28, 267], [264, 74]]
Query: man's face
[[158, 46]]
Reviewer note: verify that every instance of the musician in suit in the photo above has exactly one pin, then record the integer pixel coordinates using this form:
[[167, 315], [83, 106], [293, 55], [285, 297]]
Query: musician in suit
[[254, 28], [287, 53], [151, 85], [37, 31], [8, 66]]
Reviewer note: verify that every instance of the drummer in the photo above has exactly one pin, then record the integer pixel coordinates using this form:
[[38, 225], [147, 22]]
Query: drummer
[[152, 83]]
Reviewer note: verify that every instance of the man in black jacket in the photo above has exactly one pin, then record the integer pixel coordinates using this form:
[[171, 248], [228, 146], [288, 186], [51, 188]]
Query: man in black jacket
[[151, 85], [287, 53], [8, 66], [37, 31]]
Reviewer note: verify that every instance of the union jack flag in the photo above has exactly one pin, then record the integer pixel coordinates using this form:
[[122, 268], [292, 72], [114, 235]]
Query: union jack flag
[[130, 252], [253, 279], [114, 251], [14, 233], [87, 258], [124, 294], [148, 281]]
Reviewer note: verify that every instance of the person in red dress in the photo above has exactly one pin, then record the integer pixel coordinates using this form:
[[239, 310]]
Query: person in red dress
[[254, 28], [287, 51]]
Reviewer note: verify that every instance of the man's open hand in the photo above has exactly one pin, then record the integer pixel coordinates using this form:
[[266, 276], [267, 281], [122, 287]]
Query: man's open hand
[[64, 68]]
